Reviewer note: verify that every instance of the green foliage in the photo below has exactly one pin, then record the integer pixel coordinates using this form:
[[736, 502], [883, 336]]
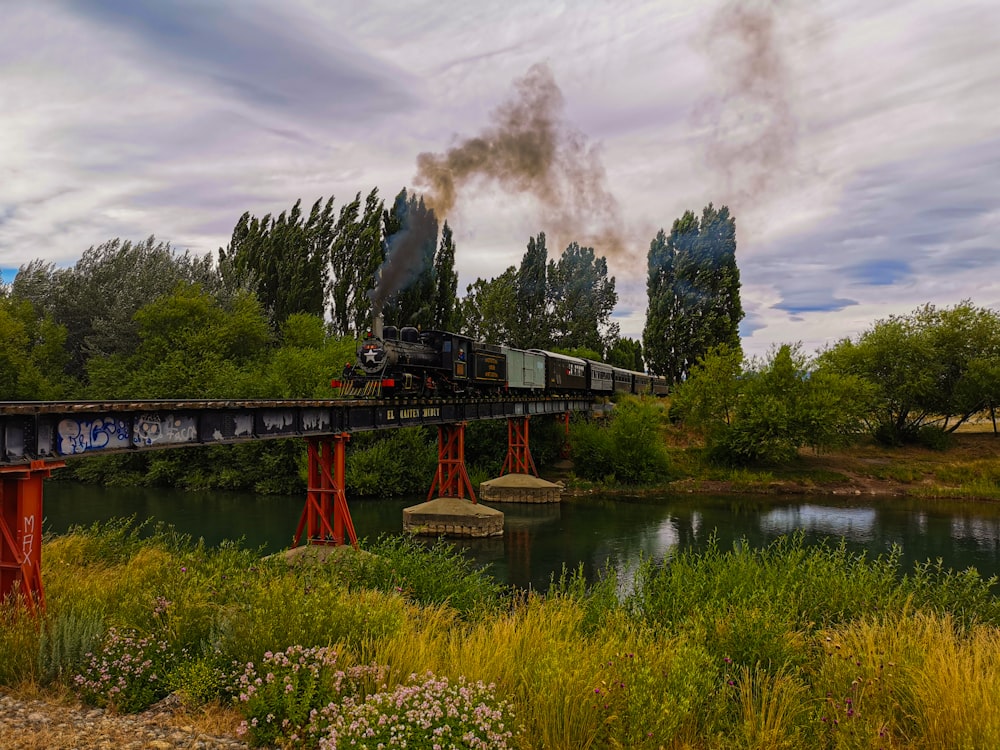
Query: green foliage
[[693, 287], [391, 463], [445, 284], [626, 353], [932, 366], [629, 449], [97, 299], [438, 574], [66, 640], [284, 259], [192, 346], [765, 413], [279, 697], [32, 354], [128, 673], [355, 255], [427, 712], [582, 296], [533, 329], [489, 308]]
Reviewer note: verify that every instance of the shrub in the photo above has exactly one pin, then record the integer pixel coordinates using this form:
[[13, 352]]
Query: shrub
[[630, 449], [425, 712]]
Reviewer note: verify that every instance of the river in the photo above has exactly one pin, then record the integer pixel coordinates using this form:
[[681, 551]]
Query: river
[[589, 531]]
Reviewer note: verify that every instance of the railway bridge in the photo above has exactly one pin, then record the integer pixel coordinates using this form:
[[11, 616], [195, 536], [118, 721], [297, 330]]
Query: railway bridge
[[37, 437]]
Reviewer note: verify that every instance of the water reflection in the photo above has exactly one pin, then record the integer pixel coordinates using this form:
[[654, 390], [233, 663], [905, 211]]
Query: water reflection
[[590, 532]]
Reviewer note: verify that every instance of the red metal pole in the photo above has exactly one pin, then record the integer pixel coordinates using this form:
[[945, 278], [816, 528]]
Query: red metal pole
[[21, 531], [519, 460], [326, 517], [451, 479], [565, 448]]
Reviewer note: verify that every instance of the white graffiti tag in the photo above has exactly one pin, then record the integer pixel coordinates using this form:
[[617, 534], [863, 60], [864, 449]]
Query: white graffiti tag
[[80, 436], [152, 429], [28, 539]]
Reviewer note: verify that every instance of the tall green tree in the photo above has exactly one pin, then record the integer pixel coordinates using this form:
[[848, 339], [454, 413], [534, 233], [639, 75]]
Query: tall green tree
[[355, 255], [406, 283], [534, 322], [489, 308], [284, 259], [97, 298], [583, 297], [693, 287], [32, 353], [446, 316]]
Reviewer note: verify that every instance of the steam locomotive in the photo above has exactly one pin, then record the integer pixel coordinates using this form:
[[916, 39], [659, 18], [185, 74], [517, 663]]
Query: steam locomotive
[[405, 361]]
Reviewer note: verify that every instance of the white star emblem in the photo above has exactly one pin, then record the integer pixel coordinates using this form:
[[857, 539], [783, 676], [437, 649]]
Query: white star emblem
[[371, 355]]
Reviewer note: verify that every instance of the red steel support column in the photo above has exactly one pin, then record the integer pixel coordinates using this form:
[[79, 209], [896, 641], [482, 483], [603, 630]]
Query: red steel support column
[[519, 460], [326, 516], [451, 479], [21, 531], [565, 448]]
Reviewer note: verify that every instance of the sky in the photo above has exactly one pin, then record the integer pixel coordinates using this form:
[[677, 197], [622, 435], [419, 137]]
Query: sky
[[856, 143]]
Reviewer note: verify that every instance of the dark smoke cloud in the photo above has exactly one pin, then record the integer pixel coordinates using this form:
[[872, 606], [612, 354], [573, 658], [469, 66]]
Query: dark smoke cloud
[[754, 138], [405, 255], [529, 148]]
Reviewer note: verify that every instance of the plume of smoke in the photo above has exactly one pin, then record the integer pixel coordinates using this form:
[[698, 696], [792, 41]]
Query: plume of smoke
[[754, 129], [529, 148], [405, 253]]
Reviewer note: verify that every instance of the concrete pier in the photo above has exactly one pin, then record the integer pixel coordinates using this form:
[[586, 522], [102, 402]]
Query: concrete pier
[[452, 516], [520, 488]]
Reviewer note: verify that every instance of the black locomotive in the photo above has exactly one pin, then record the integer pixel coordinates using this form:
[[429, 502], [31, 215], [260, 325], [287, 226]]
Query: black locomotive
[[406, 361]]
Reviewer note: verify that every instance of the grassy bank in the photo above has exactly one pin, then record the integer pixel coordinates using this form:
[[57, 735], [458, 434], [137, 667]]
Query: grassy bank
[[666, 456], [782, 647]]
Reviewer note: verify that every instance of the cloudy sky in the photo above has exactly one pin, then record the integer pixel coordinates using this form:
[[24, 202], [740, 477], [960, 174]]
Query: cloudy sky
[[857, 143]]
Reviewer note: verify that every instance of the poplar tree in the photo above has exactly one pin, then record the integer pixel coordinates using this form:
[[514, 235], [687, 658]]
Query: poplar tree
[[534, 326], [284, 259], [445, 283], [693, 286]]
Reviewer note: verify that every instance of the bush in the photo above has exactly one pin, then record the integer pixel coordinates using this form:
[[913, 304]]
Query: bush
[[629, 450], [400, 462]]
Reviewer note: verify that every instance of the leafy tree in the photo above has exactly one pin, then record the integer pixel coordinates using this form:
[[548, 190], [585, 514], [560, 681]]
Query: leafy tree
[[627, 353], [446, 283], [284, 259], [934, 367], [32, 353], [489, 309], [693, 287], [192, 346], [355, 255], [97, 298], [533, 319], [406, 284], [583, 298], [767, 411]]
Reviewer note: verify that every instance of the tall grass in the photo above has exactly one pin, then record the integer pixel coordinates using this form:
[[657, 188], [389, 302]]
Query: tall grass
[[785, 646]]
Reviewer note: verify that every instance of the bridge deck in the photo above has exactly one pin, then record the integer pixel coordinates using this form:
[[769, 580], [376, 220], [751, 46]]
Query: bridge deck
[[52, 430]]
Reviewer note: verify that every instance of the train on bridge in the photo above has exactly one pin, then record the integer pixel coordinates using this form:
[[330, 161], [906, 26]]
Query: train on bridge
[[395, 361]]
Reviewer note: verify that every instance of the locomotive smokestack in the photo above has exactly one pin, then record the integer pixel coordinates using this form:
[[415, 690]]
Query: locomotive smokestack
[[377, 325]]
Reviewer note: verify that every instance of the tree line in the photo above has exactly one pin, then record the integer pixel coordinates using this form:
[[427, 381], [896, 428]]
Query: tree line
[[131, 317]]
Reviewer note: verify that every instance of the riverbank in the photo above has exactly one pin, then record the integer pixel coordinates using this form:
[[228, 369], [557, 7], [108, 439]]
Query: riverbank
[[968, 470]]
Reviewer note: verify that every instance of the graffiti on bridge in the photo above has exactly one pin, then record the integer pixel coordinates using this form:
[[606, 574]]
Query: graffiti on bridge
[[165, 429], [81, 435]]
